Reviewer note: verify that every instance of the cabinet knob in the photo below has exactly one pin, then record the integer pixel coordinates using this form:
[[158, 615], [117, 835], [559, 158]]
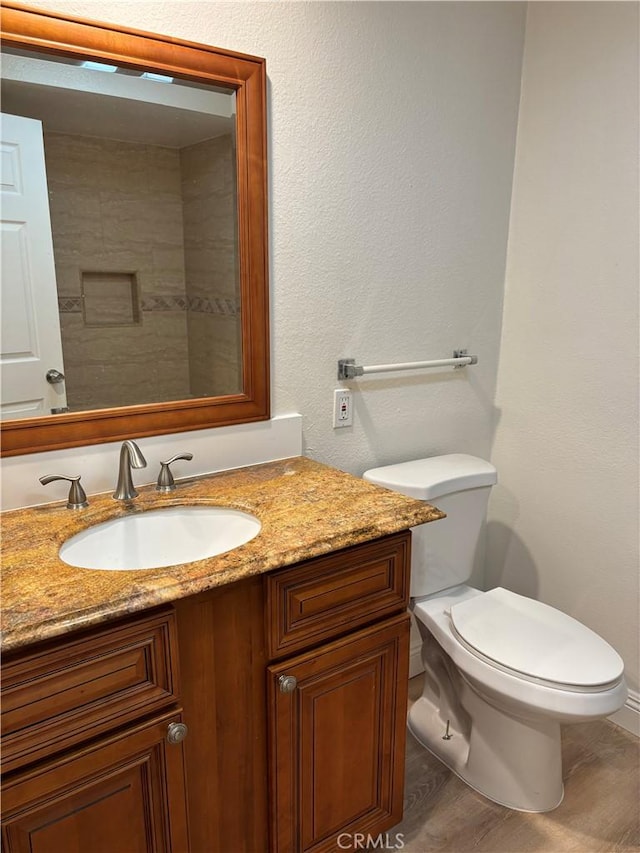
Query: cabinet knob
[[288, 683], [176, 732]]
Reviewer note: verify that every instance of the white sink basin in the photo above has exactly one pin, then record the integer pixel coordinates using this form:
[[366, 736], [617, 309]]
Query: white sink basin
[[160, 537]]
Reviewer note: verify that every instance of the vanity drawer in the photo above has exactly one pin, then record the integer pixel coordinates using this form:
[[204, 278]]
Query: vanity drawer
[[330, 595], [74, 689]]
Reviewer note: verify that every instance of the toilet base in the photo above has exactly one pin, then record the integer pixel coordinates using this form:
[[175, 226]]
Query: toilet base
[[426, 726], [514, 760]]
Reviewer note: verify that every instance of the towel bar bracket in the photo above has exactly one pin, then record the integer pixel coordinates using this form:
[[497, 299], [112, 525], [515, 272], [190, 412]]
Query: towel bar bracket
[[347, 369], [463, 353]]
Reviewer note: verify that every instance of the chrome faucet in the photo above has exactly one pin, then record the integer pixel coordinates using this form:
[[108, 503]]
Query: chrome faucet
[[130, 457]]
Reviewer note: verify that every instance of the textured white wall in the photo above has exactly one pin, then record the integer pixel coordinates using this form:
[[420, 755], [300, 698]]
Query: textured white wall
[[564, 519], [391, 135]]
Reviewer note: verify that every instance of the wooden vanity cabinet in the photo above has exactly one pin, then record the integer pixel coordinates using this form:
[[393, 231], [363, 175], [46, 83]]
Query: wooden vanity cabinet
[[293, 686], [288, 771], [223, 662], [124, 793], [337, 709], [87, 724], [337, 739]]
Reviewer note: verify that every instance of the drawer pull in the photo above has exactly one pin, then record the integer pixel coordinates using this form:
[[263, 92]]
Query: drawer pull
[[176, 732], [288, 683]]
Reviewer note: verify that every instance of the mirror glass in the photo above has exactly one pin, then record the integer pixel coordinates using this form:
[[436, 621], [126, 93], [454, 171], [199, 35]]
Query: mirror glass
[[136, 174]]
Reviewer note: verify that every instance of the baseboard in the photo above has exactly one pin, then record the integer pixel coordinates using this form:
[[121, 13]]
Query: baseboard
[[628, 717]]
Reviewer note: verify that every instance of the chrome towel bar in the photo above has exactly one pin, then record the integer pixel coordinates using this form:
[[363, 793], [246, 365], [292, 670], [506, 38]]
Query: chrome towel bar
[[348, 369]]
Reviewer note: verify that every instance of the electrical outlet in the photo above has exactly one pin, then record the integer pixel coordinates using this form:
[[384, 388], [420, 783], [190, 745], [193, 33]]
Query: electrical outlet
[[342, 408]]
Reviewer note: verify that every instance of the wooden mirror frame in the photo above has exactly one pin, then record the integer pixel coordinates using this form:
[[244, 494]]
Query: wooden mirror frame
[[48, 32]]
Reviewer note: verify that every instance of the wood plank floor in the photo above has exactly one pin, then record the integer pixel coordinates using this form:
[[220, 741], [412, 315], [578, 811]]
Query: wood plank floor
[[600, 810]]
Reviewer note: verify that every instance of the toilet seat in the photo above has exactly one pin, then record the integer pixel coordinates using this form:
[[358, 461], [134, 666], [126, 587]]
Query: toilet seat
[[534, 641], [564, 702]]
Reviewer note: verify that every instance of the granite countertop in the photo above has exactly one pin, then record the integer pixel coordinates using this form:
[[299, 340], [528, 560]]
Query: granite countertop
[[306, 509]]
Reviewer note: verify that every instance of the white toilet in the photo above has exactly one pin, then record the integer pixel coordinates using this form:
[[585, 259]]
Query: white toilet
[[501, 671]]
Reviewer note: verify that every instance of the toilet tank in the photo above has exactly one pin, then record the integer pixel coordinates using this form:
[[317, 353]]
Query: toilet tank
[[443, 552]]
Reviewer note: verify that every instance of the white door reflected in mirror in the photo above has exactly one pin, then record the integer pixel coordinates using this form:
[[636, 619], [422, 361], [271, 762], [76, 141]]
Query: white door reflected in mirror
[[31, 341]]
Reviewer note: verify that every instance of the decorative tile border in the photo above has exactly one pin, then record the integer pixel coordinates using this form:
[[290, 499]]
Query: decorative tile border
[[220, 305], [69, 305], [154, 302], [214, 305]]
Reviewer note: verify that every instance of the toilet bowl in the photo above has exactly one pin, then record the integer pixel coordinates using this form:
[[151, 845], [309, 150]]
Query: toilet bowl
[[504, 729], [502, 671]]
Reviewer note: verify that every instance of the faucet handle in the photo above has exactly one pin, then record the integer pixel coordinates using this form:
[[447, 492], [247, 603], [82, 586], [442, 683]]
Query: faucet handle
[[77, 498], [166, 482]]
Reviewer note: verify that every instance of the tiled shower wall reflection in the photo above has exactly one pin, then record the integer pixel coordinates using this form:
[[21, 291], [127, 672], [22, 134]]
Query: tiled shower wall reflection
[[117, 207], [210, 237]]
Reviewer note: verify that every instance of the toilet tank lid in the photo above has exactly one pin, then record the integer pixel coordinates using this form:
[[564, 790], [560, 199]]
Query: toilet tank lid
[[434, 476]]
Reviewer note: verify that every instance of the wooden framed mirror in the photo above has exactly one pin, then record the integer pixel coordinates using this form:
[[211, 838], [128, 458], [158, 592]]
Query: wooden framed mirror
[[52, 37]]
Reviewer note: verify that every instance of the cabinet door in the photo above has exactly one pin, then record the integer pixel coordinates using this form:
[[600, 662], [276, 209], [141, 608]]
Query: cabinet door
[[337, 739], [126, 793]]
